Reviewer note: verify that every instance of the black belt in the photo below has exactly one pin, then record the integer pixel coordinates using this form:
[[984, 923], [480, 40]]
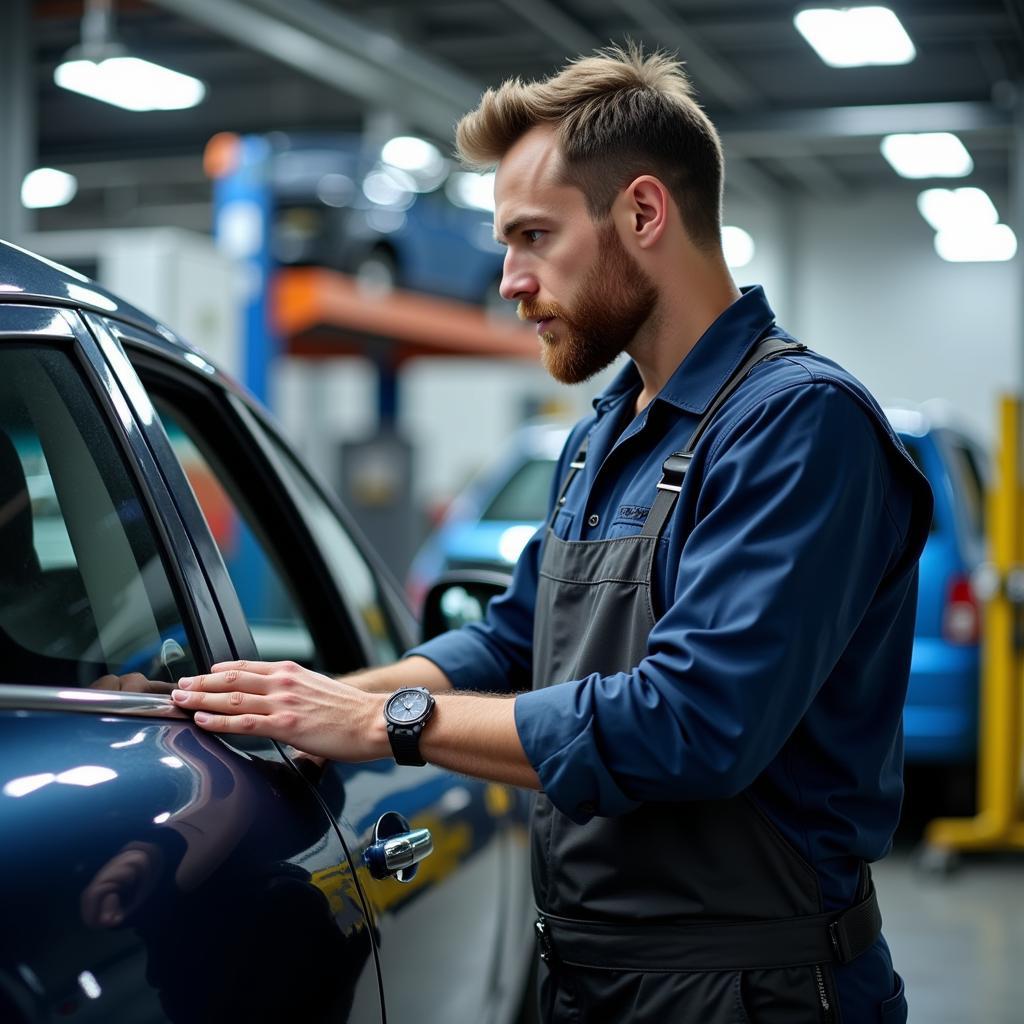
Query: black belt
[[712, 945]]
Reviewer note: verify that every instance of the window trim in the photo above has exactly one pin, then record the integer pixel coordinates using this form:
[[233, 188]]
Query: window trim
[[64, 331], [20, 697], [333, 623]]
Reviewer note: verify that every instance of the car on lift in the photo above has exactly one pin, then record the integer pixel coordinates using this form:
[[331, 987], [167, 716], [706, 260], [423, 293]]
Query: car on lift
[[488, 524], [153, 522], [395, 216]]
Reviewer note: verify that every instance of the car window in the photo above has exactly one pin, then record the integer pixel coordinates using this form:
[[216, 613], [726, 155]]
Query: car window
[[349, 568], [968, 481], [524, 497], [84, 593], [273, 612]]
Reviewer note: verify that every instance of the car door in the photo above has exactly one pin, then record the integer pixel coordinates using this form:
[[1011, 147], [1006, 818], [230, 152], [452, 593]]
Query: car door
[[312, 596], [148, 871]]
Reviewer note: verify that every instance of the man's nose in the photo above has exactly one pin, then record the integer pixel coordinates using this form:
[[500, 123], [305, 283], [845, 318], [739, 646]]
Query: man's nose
[[516, 283]]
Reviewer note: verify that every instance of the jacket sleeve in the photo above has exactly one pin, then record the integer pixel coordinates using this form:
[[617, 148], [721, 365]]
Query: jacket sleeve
[[496, 655], [792, 535]]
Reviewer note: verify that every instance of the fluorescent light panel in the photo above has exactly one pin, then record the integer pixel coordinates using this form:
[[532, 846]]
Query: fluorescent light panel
[[927, 155], [967, 228], [993, 243], [130, 83], [953, 209], [850, 37]]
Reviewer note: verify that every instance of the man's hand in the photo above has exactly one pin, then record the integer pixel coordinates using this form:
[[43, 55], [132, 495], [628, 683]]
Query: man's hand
[[316, 713], [473, 734]]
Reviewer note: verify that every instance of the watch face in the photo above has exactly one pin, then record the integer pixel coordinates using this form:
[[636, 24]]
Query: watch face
[[407, 706]]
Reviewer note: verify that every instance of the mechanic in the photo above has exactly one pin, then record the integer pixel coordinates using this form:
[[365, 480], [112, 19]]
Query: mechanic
[[716, 621]]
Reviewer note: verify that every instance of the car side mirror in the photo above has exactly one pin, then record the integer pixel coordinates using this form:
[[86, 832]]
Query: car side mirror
[[459, 598]]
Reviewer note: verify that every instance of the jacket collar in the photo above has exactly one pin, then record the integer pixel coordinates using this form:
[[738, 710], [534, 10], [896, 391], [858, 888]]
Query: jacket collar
[[707, 366]]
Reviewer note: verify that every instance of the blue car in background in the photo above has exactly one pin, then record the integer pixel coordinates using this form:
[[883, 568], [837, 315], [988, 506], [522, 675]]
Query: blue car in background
[[397, 215], [941, 715], [487, 526]]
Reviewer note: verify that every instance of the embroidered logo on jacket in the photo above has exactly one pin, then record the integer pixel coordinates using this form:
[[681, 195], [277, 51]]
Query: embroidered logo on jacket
[[633, 513]]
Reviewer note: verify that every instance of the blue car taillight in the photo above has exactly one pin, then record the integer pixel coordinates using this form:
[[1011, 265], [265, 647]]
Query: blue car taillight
[[961, 616]]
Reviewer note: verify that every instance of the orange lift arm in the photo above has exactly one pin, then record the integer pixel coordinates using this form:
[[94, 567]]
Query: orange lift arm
[[319, 312]]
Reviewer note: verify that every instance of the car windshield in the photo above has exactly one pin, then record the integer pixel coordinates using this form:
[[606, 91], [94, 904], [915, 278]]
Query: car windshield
[[524, 498]]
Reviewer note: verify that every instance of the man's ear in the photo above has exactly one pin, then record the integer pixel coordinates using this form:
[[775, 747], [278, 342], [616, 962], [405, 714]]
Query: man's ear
[[646, 206]]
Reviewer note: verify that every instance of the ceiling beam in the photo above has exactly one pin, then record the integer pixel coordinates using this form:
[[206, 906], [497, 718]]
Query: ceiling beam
[[770, 133], [341, 51], [573, 37], [716, 79]]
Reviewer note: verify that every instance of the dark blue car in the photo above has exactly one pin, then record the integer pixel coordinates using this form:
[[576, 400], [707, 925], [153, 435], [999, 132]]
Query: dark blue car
[[152, 523]]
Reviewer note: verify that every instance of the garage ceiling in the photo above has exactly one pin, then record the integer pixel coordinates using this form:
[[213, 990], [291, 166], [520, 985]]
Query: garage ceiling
[[789, 122]]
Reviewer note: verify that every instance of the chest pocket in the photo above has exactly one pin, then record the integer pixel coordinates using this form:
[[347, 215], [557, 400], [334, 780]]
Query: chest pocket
[[563, 523], [629, 519]]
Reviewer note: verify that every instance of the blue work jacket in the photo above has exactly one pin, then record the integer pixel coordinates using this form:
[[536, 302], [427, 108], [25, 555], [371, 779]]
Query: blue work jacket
[[785, 597]]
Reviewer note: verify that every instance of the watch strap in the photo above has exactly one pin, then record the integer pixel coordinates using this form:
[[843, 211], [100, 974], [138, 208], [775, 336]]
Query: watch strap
[[405, 744]]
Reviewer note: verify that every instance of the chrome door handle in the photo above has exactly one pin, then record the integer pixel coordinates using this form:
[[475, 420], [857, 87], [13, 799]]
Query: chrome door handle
[[397, 850]]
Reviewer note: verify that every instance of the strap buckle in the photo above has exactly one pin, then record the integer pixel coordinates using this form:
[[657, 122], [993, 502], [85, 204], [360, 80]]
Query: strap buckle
[[673, 470]]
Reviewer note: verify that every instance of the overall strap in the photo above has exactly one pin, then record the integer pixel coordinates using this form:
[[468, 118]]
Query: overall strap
[[574, 467], [675, 466]]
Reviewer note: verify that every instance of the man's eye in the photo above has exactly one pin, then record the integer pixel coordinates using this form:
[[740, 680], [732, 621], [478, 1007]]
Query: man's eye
[[533, 235]]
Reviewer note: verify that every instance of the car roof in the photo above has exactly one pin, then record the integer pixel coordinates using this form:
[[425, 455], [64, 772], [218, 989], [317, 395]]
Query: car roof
[[28, 277], [920, 419]]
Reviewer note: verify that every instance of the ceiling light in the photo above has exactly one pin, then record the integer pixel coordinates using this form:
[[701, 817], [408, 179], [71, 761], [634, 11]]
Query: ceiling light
[[130, 83], [102, 69], [737, 245], [927, 155], [990, 243], [850, 37], [46, 187], [956, 209], [471, 191], [411, 154]]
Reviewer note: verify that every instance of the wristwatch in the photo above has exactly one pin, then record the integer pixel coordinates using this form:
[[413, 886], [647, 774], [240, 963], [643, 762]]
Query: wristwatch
[[406, 713]]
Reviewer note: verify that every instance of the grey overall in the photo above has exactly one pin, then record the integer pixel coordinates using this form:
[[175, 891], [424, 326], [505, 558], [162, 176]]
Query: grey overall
[[674, 912]]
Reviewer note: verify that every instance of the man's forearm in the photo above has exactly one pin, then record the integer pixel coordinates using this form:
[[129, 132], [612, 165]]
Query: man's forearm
[[475, 734], [414, 671]]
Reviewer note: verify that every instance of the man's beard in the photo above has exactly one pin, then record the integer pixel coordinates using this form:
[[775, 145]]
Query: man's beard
[[614, 301]]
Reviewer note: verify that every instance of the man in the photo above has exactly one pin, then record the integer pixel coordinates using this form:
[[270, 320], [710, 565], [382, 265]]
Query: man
[[716, 621]]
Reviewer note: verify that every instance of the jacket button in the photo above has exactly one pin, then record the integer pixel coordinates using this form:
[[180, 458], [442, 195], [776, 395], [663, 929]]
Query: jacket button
[[593, 520], [587, 808]]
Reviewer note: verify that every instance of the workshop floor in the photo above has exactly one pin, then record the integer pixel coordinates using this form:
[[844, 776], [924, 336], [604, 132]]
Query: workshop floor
[[958, 940]]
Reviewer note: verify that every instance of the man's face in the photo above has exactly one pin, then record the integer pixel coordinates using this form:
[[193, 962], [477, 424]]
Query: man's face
[[570, 275]]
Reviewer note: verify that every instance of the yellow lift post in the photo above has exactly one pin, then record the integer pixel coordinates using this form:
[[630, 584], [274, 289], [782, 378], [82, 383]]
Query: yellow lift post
[[999, 822]]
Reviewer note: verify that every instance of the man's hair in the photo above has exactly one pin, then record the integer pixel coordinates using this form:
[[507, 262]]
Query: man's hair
[[618, 114]]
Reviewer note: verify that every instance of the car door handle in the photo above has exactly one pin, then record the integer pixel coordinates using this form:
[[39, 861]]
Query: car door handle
[[397, 850]]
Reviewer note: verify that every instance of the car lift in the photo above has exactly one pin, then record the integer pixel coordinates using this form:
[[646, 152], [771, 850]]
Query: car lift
[[999, 822]]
